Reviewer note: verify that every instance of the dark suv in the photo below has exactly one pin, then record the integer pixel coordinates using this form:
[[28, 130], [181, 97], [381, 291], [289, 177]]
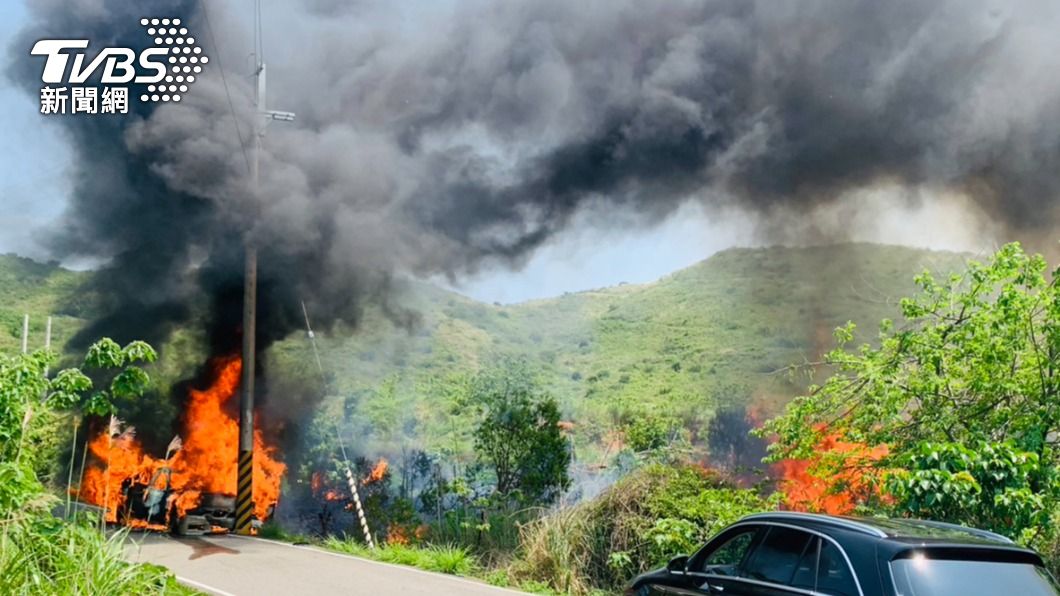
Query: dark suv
[[800, 553]]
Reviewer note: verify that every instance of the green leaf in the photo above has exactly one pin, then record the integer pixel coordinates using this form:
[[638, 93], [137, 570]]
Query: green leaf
[[105, 353], [139, 351], [131, 382], [67, 386], [99, 404]]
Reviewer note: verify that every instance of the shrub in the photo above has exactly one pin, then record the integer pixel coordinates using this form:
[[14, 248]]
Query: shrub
[[648, 517], [989, 485], [646, 432], [1047, 542], [960, 397]]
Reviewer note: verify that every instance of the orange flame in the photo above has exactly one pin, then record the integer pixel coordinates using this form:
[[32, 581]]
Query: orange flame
[[421, 531], [205, 464], [841, 492], [400, 534], [377, 472], [396, 534], [323, 489]]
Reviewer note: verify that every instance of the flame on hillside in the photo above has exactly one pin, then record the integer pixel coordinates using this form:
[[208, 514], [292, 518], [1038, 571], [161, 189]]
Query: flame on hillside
[[204, 462], [840, 493], [378, 472]]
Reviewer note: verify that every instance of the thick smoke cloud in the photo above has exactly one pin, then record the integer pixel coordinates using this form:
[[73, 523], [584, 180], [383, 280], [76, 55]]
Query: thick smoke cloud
[[437, 138]]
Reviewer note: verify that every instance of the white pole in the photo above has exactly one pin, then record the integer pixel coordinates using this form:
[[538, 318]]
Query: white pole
[[47, 340], [360, 510], [25, 333]]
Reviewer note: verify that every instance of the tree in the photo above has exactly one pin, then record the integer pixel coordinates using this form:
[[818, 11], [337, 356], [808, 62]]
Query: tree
[[42, 553], [964, 395], [28, 398], [518, 435], [986, 485], [26, 393]]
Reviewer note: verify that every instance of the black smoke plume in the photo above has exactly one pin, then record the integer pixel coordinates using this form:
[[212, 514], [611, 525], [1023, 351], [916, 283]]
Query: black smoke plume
[[440, 137]]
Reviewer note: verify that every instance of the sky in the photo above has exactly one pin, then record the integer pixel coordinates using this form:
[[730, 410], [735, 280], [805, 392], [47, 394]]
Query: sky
[[590, 257], [34, 188], [33, 183]]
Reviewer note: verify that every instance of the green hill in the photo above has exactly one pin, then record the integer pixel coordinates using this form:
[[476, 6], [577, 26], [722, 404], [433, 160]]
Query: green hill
[[40, 290], [708, 337]]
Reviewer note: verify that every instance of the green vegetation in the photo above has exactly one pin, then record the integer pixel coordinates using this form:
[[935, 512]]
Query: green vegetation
[[639, 523], [963, 396], [489, 519], [50, 557], [631, 381], [518, 435], [441, 558], [40, 290], [676, 351], [655, 362], [985, 485], [594, 547], [40, 554]]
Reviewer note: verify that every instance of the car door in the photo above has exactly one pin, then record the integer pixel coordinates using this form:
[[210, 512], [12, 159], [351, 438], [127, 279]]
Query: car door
[[834, 575], [722, 555], [783, 563], [713, 569]]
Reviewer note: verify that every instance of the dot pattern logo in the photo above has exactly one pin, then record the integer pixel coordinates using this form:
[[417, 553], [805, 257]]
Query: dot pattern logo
[[185, 60]]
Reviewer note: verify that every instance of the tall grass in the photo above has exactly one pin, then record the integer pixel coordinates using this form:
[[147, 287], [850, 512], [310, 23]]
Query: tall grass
[[490, 533], [569, 550], [653, 514], [42, 556], [453, 560]]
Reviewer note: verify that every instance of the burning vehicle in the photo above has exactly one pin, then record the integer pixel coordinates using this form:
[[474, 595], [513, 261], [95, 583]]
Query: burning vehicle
[[151, 506], [192, 489]]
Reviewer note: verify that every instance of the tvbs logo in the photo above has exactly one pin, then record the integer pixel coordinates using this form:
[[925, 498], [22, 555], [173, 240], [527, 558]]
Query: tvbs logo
[[167, 69]]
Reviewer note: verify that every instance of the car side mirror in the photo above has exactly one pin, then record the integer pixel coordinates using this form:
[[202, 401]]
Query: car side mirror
[[678, 564]]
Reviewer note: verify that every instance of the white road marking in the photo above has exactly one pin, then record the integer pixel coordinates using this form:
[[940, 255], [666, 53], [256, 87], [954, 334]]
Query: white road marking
[[203, 587]]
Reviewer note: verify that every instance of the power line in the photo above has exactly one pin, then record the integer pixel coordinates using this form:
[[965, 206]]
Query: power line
[[224, 80], [350, 480]]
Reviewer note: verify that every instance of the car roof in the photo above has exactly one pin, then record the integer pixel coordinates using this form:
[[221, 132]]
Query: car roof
[[892, 529]]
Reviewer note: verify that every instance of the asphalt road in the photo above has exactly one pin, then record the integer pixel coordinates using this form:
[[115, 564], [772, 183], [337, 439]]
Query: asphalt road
[[241, 566]]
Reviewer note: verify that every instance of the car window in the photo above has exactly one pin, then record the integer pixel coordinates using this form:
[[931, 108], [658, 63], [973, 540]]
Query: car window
[[726, 559], [921, 576], [833, 573], [806, 571], [777, 558]]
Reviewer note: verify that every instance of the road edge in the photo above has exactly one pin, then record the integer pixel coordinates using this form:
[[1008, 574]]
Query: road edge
[[449, 576]]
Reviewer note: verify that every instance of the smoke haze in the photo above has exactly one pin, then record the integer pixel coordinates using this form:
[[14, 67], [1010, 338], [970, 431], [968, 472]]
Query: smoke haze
[[439, 139]]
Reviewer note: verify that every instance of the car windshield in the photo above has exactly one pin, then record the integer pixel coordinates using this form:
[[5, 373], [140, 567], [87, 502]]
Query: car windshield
[[921, 576]]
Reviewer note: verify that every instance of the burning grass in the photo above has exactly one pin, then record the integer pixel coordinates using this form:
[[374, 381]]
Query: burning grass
[[854, 480]]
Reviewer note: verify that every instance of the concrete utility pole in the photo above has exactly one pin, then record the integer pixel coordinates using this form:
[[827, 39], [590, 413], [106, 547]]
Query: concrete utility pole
[[245, 475]]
